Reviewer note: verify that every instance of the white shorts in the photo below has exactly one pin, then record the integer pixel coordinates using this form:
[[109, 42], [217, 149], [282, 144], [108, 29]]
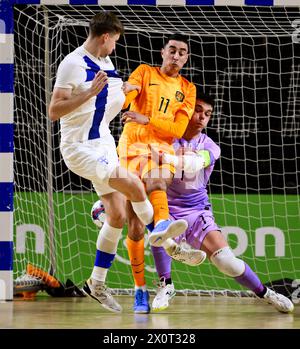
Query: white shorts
[[94, 160]]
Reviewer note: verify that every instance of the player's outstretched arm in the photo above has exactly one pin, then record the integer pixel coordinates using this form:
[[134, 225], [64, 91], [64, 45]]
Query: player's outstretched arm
[[128, 87], [174, 128], [133, 116], [131, 92], [171, 128], [190, 162], [63, 102]]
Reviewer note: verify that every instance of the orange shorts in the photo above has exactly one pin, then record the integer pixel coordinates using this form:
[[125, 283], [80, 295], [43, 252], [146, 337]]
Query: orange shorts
[[139, 151]]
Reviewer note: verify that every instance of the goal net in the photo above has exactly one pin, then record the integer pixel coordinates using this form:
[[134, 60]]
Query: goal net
[[248, 58]]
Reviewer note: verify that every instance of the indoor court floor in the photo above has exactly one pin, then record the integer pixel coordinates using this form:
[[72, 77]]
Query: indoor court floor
[[185, 312]]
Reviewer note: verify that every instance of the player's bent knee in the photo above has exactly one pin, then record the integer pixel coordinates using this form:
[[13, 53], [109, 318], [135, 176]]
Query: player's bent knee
[[118, 218], [135, 188], [116, 215], [136, 230], [135, 236], [137, 227], [155, 184], [227, 263]]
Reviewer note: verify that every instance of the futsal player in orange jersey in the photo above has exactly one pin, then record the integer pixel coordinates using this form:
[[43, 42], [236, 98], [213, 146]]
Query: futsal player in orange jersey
[[161, 106]]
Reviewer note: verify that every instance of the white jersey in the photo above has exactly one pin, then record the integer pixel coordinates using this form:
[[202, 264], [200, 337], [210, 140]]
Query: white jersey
[[90, 120]]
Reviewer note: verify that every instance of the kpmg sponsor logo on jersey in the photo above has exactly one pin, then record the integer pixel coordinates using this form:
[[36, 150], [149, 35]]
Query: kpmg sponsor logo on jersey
[[179, 96]]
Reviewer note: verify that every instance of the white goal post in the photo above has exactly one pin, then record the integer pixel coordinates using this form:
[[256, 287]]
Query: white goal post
[[244, 53]]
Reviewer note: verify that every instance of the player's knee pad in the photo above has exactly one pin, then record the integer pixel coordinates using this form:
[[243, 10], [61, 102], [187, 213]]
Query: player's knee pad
[[227, 263], [108, 238]]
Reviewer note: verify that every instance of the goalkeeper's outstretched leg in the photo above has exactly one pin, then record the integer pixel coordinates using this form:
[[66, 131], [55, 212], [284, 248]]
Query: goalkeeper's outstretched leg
[[220, 254]]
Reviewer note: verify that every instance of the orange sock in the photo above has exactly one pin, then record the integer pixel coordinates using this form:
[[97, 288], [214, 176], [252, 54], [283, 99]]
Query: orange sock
[[136, 257], [159, 201]]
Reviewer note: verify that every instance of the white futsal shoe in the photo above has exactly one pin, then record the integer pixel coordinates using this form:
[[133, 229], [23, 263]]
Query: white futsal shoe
[[164, 295], [279, 301], [98, 291], [185, 254]]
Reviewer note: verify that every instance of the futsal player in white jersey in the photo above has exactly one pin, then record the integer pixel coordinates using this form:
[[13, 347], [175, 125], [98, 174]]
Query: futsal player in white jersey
[[87, 95]]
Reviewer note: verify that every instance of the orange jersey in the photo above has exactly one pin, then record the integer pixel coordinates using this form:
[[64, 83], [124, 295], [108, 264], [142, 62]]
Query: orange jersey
[[164, 100], [161, 97]]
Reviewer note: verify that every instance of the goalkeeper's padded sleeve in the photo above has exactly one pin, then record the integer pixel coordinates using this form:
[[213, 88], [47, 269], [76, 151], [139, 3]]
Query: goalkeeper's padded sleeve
[[174, 128], [192, 162], [171, 159], [206, 156]]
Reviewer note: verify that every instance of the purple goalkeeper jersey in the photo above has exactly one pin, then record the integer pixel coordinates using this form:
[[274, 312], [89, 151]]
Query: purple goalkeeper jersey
[[188, 193]]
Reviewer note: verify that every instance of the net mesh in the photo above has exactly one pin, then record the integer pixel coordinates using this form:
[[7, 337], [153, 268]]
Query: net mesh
[[246, 58]]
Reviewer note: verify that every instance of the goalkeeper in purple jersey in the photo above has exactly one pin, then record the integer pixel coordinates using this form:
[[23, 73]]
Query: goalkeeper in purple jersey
[[196, 155]]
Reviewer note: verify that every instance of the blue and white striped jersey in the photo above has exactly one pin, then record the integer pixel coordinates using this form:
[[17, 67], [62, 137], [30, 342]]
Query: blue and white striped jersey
[[91, 120]]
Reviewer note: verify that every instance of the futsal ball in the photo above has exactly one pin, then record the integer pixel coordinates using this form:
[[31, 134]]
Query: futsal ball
[[98, 213]]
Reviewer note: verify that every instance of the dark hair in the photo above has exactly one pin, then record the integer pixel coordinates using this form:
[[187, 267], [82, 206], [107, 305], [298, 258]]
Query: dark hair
[[205, 98], [105, 22], [177, 37]]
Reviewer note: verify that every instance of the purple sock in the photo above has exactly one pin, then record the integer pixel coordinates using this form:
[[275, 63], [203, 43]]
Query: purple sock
[[162, 262], [250, 280]]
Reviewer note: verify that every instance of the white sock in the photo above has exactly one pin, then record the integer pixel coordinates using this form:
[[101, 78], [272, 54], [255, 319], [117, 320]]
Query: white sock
[[143, 288], [99, 274], [143, 210], [108, 239]]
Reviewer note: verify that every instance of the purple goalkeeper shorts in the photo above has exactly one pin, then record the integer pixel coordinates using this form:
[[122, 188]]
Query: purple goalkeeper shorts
[[200, 223]]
